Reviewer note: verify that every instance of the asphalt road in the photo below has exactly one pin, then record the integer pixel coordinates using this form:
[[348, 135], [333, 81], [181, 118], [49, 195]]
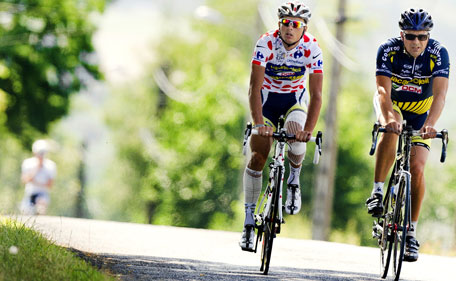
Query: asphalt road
[[151, 252]]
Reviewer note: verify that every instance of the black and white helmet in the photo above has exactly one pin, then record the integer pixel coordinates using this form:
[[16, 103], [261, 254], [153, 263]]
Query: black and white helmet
[[294, 8]]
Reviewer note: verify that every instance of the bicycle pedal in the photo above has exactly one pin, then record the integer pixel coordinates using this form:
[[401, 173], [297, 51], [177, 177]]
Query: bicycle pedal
[[248, 249], [376, 235]]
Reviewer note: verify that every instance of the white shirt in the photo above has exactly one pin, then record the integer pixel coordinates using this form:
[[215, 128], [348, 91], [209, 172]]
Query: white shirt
[[285, 70], [39, 182]]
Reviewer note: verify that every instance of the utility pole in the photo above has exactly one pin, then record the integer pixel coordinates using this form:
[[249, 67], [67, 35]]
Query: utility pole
[[80, 197], [324, 183]]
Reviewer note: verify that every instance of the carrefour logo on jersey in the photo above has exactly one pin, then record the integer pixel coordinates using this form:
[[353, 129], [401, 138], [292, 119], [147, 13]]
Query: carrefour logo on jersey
[[298, 54], [259, 55]]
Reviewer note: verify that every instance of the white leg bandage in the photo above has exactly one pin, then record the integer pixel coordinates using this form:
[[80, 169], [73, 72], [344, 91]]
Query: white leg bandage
[[252, 185], [295, 122]]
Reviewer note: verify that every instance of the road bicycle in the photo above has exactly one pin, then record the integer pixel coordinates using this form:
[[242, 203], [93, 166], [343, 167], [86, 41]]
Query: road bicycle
[[391, 227], [269, 216]]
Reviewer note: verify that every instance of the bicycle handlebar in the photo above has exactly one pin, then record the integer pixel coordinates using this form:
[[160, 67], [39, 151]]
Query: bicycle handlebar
[[283, 136], [439, 135]]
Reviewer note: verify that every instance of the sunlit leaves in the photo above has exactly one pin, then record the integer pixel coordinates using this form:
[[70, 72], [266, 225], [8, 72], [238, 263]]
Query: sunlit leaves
[[41, 45]]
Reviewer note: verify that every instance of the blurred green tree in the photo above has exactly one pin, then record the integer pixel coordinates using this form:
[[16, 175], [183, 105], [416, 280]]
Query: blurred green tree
[[46, 54], [185, 159]]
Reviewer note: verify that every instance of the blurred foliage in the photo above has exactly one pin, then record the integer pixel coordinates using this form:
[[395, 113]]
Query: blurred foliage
[[185, 158], [12, 154], [46, 54], [354, 174]]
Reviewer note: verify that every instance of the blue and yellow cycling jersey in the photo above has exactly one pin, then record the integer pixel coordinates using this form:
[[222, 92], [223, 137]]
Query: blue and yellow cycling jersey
[[412, 77]]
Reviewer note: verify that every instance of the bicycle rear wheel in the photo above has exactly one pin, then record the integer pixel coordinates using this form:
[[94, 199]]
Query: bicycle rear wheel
[[401, 218], [269, 231]]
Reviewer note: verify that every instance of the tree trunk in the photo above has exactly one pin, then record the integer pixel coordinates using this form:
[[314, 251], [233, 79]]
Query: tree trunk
[[80, 198], [324, 184]]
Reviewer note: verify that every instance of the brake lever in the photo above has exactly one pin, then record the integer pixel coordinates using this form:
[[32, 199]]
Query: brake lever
[[444, 145], [375, 131], [247, 133]]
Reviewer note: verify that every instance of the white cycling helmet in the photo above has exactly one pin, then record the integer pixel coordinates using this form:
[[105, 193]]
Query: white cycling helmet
[[40, 147], [294, 8]]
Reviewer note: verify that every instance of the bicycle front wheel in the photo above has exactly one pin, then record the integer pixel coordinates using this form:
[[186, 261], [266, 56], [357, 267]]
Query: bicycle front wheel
[[269, 231], [385, 241], [266, 250], [386, 221], [401, 218]]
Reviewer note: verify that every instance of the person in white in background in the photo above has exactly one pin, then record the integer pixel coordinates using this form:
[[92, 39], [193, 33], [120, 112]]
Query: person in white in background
[[38, 174]]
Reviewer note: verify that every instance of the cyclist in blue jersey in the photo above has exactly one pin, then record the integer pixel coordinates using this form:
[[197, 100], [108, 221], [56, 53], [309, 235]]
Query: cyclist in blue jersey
[[412, 82], [280, 63]]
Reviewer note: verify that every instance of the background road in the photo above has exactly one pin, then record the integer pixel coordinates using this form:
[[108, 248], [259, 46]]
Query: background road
[[150, 252]]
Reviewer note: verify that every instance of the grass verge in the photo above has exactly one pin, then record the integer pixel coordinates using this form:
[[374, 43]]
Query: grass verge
[[27, 255]]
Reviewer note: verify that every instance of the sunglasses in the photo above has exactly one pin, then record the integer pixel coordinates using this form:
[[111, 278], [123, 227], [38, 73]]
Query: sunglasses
[[412, 37], [294, 23]]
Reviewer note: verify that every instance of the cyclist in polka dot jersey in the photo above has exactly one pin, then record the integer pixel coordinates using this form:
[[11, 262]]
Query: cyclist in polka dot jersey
[[281, 62]]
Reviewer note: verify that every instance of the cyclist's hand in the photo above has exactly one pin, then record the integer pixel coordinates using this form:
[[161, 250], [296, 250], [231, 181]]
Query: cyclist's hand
[[303, 136], [265, 131], [428, 132], [393, 127]]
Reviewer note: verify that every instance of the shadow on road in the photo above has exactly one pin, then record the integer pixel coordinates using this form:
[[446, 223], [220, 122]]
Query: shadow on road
[[159, 268]]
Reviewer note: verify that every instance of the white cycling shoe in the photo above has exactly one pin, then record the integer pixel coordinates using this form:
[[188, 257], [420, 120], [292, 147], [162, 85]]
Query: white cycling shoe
[[293, 203], [248, 238]]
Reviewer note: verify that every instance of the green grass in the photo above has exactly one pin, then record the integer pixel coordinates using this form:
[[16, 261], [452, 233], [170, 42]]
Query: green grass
[[26, 255]]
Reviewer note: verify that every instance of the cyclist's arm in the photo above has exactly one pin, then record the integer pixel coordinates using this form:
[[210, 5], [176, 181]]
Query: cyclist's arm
[[386, 105], [28, 174], [27, 177], [315, 89], [256, 83], [50, 183], [439, 90], [256, 108]]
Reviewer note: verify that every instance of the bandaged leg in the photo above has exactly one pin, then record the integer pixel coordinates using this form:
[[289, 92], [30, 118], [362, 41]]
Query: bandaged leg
[[295, 122]]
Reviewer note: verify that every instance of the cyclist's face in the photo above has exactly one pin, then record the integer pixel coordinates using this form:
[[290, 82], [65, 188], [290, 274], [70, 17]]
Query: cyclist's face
[[40, 155], [289, 32], [415, 47]]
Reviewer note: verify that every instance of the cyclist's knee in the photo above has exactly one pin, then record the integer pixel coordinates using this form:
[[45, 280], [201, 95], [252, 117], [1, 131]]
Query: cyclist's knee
[[257, 161], [417, 169], [295, 121], [388, 138], [388, 142]]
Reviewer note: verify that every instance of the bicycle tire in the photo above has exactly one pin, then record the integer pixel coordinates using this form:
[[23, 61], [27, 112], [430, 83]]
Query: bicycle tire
[[385, 241], [401, 218], [266, 248], [270, 225]]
